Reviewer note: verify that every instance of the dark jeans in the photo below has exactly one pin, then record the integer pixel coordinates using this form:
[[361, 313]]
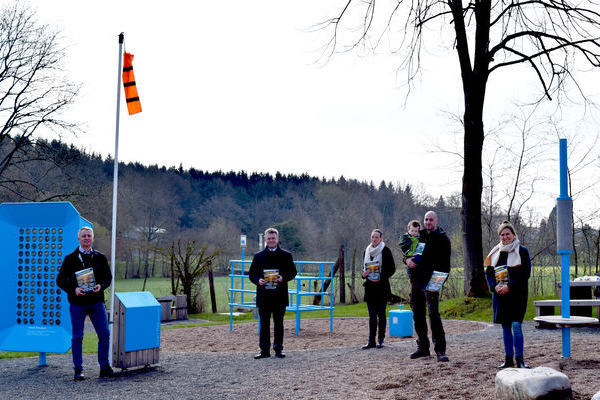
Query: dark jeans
[[97, 313], [512, 335], [264, 312], [376, 319], [419, 299]]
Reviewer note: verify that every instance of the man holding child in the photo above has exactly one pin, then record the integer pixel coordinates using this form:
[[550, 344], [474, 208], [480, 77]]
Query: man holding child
[[435, 257]]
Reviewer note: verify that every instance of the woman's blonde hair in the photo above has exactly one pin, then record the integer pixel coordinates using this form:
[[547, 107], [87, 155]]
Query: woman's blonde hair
[[504, 225]]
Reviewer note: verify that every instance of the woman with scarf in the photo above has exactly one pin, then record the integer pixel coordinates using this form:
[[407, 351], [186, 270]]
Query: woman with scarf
[[508, 268], [378, 266]]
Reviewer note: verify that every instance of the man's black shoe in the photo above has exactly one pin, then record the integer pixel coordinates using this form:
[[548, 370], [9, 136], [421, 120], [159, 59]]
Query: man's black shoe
[[441, 357], [78, 376], [279, 354], [106, 372], [369, 345], [262, 355], [420, 353], [380, 344]]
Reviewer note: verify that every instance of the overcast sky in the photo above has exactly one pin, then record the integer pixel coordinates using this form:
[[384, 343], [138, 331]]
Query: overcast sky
[[237, 84]]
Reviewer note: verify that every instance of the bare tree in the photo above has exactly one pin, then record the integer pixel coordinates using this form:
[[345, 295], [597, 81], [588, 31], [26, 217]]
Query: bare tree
[[548, 36], [33, 93], [188, 265]]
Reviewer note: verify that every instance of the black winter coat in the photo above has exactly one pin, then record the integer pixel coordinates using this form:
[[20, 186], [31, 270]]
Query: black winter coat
[[436, 255], [72, 263], [511, 306], [267, 259], [379, 292]]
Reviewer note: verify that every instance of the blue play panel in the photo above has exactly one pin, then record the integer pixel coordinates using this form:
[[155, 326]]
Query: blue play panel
[[35, 239]]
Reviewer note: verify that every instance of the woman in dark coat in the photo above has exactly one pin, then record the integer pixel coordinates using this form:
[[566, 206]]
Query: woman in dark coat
[[509, 288], [378, 266]]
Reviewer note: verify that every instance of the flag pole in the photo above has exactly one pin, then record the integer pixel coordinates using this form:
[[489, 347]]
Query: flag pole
[[113, 241]]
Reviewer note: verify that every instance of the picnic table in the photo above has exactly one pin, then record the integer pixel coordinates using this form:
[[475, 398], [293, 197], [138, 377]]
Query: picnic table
[[579, 290]]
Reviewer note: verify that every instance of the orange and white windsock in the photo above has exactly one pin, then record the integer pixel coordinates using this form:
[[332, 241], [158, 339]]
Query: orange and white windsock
[[131, 95]]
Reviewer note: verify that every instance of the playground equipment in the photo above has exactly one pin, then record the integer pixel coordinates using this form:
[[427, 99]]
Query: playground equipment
[[564, 246], [320, 271], [35, 312], [401, 322], [136, 330]]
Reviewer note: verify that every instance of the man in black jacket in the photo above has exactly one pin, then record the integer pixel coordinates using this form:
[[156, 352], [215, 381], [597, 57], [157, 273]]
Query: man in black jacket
[[270, 271], [86, 300], [436, 257]]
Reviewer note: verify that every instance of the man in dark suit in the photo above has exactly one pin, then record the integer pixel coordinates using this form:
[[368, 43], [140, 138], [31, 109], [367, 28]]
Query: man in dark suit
[[270, 271]]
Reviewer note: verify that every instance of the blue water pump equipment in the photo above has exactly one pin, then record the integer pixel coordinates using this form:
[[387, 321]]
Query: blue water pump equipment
[[401, 322]]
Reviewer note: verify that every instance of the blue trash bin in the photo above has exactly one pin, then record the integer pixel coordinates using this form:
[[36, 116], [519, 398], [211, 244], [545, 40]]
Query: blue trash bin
[[401, 323]]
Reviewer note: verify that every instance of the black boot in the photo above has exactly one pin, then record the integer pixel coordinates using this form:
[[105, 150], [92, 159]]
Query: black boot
[[508, 363], [521, 363]]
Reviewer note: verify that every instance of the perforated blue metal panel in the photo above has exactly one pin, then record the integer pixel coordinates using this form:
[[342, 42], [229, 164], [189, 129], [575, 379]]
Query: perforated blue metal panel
[[142, 320], [35, 237]]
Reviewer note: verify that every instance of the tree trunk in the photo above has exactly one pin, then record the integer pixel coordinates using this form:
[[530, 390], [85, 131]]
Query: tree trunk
[[353, 279], [173, 278], [153, 264], [342, 275], [597, 248], [475, 281], [211, 286], [187, 290], [126, 267]]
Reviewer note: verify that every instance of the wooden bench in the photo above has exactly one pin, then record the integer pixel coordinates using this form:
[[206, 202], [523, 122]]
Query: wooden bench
[[546, 307]]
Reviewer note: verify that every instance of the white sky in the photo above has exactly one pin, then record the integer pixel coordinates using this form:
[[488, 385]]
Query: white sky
[[233, 84]]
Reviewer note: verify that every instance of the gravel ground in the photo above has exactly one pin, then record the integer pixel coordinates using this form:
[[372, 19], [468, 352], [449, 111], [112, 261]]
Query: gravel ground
[[323, 373]]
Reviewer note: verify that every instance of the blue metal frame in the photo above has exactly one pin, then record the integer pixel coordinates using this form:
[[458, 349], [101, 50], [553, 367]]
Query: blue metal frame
[[295, 294]]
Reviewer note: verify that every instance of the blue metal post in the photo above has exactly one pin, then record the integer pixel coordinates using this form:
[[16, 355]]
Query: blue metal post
[[242, 287], [298, 289], [232, 268], [330, 299], [564, 251], [42, 362]]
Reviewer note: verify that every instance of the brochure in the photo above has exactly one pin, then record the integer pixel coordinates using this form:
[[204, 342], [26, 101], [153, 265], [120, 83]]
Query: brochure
[[271, 276], [85, 279], [419, 249], [437, 281], [374, 271], [501, 273]]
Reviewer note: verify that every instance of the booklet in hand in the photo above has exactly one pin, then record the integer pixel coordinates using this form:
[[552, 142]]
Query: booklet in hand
[[374, 269], [86, 280], [271, 276], [501, 273], [437, 281]]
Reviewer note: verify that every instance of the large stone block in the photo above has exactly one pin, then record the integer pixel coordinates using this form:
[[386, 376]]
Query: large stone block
[[532, 384], [596, 396]]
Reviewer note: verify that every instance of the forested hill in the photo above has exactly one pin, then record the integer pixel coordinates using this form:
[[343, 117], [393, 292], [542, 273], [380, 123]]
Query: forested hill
[[157, 205]]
